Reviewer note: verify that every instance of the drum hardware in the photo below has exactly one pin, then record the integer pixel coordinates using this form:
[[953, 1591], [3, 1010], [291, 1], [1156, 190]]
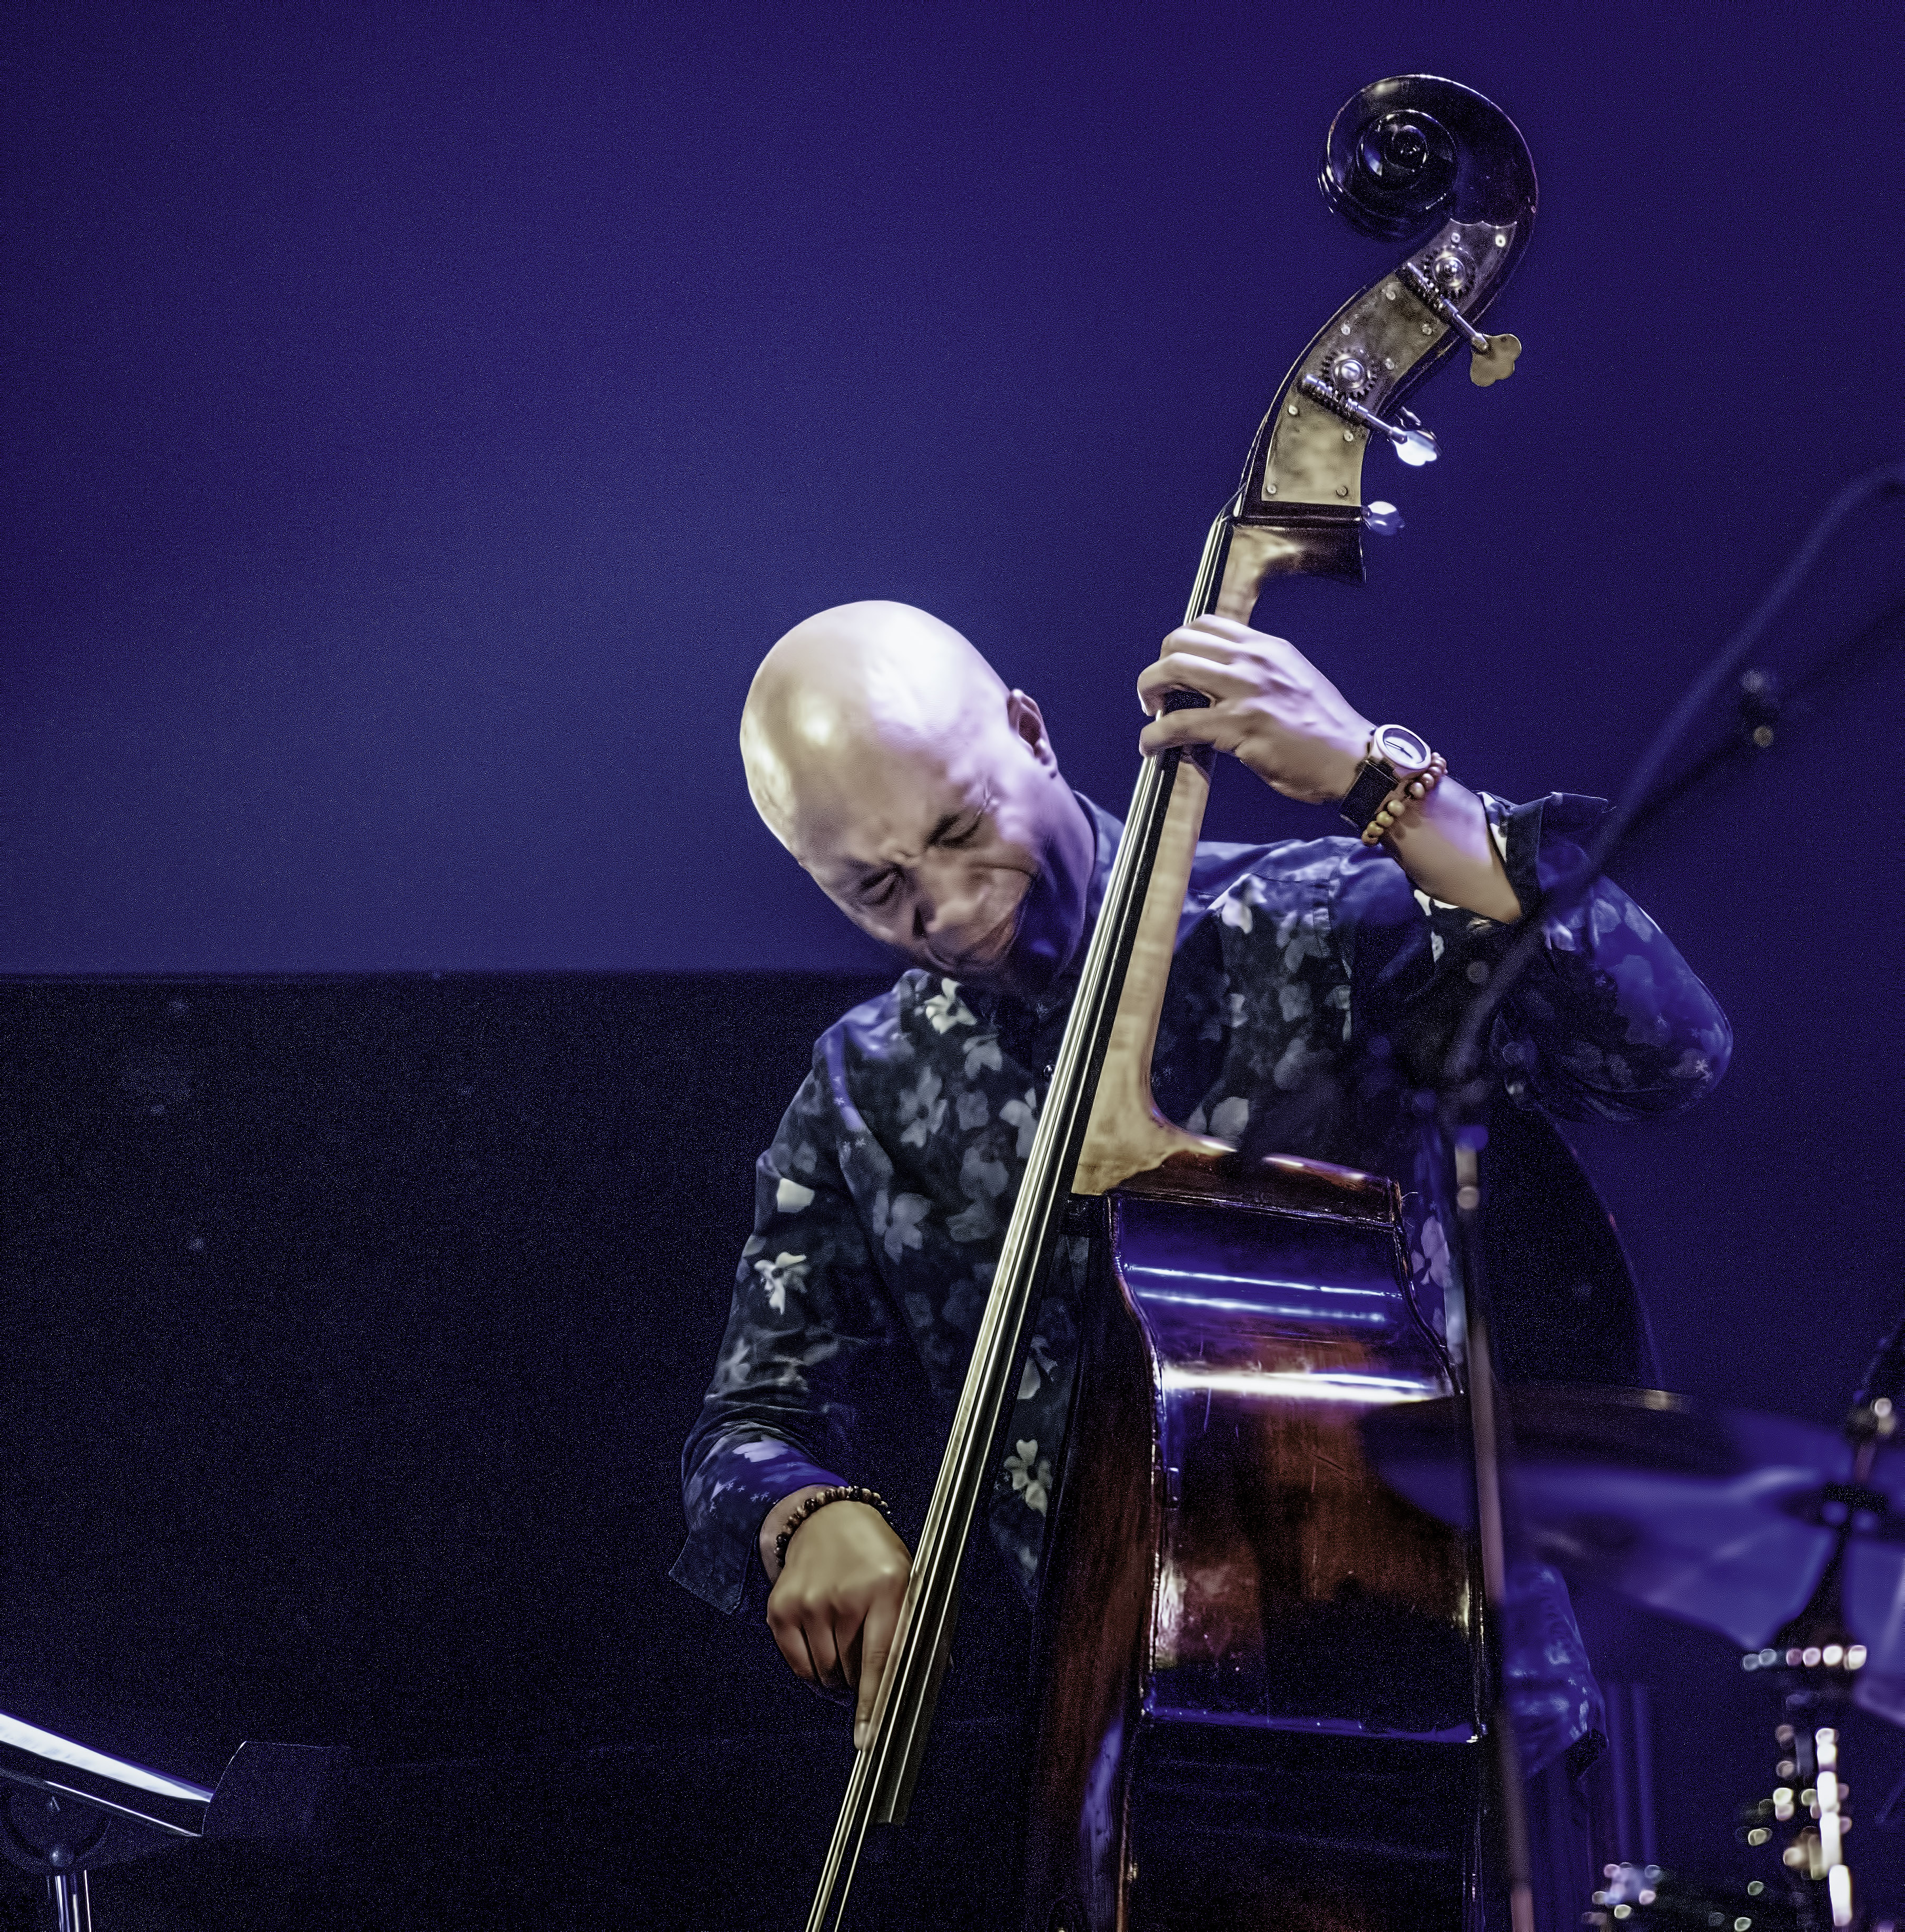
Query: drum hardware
[[1786, 1536], [1818, 1664], [1645, 1898]]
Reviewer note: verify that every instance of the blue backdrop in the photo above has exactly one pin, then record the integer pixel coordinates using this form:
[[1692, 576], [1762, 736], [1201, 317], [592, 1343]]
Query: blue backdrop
[[420, 419]]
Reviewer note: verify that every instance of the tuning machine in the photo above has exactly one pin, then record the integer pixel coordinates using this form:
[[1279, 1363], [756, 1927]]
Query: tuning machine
[[1412, 443], [1492, 357]]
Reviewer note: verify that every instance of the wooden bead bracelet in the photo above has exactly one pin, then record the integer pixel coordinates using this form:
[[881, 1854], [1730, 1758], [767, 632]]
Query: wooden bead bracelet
[[841, 1493], [1408, 791]]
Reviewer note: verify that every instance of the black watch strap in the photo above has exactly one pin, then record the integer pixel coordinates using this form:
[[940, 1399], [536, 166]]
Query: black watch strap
[[1363, 800]]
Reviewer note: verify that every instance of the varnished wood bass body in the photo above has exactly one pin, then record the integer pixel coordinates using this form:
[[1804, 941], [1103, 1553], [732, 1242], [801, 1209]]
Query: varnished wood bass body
[[1257, 1700]]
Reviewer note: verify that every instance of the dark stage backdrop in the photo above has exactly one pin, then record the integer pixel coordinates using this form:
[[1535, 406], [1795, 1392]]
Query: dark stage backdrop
[[349, 1329], [419, 419]]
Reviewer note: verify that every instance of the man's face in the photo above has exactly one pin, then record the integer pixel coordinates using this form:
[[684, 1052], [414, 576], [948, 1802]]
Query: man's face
[[965, 849]]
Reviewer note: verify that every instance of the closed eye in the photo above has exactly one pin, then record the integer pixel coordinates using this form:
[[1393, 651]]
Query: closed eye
[[880, 889]]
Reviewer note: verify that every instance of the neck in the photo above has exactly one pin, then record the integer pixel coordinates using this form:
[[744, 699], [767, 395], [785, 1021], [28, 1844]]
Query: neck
[[1127, 1135]]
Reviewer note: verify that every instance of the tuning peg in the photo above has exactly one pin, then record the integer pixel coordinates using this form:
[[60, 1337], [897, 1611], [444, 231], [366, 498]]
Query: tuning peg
[[1415, 446], [1492, 357], [1385, 519], [1410, 441], [1496, 363]]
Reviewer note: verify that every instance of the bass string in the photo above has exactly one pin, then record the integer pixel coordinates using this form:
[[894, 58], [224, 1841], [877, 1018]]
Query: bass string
[[982, 1404], [881, 1769], [981, 1411]]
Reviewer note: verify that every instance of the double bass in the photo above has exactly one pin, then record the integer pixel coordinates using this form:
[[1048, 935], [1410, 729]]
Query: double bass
[[1259, 1701]]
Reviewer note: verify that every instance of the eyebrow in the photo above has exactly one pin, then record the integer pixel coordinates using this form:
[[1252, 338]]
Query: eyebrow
[[870, 874]]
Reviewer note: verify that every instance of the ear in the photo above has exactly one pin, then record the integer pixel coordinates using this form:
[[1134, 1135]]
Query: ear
[[1028, 723]]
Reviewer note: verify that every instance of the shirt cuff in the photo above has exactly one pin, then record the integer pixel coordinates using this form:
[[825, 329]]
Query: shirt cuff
[[739, 1480], [1538, 841]]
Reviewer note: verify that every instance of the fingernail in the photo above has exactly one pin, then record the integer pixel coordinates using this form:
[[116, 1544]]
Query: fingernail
[[860, 1736]]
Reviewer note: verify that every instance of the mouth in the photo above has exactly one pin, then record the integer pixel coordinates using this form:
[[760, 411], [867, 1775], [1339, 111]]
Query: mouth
[[992, 947]]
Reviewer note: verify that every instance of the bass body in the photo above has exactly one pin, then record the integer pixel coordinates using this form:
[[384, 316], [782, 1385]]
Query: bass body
[[1257, 1698]]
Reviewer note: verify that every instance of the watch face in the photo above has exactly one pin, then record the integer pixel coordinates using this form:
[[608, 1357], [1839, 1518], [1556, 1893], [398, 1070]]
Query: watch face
[[1407, 750]]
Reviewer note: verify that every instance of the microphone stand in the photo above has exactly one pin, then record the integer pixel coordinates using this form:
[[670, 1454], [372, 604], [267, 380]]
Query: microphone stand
[[1461, 1143], [1460, 1103]]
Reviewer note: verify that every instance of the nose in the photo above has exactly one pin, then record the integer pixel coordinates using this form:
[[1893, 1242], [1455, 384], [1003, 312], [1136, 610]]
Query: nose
[[947, 905]]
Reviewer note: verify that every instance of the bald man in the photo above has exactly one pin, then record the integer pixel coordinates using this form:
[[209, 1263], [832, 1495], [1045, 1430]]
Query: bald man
[[923, 796]]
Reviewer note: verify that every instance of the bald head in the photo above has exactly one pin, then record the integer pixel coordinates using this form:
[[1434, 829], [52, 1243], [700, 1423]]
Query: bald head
[[875, 681], [922, 795]]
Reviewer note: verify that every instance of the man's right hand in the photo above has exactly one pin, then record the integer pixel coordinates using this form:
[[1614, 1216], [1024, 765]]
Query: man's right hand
[[835, 1608]]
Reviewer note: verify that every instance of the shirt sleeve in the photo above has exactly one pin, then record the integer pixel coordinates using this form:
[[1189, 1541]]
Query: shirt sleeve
[[805, 1301], [1608, 1021]]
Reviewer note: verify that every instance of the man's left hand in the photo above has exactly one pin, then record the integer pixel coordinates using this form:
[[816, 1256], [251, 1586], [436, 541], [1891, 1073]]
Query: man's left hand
[[1269, 706]]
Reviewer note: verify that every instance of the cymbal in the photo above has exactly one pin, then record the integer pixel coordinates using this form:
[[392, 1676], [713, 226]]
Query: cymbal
[[1722, 1517]]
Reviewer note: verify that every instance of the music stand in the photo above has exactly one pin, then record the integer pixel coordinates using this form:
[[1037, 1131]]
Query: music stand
[[65, 1807]]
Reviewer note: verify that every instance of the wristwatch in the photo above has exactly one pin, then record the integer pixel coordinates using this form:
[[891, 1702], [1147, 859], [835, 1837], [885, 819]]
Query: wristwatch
[[1396, 753]]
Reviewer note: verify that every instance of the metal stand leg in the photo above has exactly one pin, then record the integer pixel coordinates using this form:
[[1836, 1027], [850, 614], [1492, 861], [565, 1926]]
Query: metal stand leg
[[72, 1904]]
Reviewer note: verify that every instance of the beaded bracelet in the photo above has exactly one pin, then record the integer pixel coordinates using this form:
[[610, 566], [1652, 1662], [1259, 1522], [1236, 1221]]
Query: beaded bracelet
[[843, 1492], [1417, 786]]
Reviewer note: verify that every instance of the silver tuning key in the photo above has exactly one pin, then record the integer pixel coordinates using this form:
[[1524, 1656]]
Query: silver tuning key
[[1410, 441], [1492, 359]]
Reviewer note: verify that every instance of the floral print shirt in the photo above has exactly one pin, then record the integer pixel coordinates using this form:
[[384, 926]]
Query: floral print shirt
[[1312, 989]]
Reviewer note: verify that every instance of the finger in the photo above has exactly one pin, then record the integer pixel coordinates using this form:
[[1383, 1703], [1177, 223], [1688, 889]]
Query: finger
[[1214, 634], [1176, 729], [1179, 671], [876, 1647], [1185, 642], [819, 1631], [1210, 626], [790, 1639], [818, 1640], [1184, 669], [1229, 629]]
